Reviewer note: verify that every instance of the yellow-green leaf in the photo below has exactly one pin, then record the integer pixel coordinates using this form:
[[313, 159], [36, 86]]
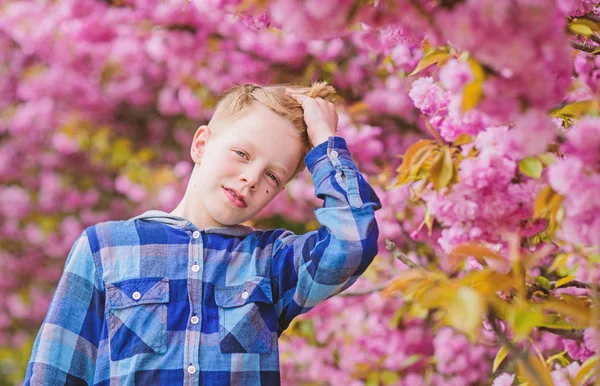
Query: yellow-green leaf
[[583, 27], [410, 152], [477, 251], [472, 95], [502, 353], [580, 29], [578, 312], [575, 109], [410, 360], [531, 166], [559, 357], [442, 169], [525, 320], [546, 158], [541, 372], [587, 370], [389, 377], [465, 310], [463, 139], [473, 92], [563, 281], [431, 58], [559, 262]]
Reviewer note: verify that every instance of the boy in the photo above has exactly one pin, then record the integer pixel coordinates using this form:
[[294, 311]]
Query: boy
[[194, 298]]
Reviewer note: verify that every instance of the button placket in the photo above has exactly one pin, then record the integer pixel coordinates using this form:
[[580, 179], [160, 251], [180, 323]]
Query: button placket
[[195, 293]]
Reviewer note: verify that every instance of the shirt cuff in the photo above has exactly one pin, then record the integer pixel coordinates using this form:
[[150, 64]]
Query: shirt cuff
[[333, 152]]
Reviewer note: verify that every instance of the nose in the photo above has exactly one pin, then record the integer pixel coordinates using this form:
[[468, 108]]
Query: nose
[[250, 177]]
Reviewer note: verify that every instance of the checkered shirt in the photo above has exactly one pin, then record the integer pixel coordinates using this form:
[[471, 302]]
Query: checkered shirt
[[156, 301]]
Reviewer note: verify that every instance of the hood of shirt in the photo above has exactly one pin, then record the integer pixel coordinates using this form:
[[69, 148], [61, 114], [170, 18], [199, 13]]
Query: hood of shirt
[[181, 222]]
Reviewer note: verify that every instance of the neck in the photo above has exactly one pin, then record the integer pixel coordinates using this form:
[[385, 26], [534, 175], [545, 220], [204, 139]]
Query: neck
[[191, 207]]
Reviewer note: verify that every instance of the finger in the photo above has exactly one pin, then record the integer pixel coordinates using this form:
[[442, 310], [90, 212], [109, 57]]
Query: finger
[[292, 91], [301, 98]]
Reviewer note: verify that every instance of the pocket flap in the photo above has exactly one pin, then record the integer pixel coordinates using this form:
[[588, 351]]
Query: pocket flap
[[129, 293], [255, 289]]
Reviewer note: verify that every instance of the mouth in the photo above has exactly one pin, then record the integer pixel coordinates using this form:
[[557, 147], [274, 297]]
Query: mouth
[[235, 197]]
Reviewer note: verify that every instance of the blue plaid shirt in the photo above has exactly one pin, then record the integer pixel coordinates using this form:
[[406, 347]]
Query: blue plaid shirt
[[156, 301]]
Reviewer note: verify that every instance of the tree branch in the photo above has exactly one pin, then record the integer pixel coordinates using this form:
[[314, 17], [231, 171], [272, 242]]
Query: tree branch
[[576, 335], [591, 16], [514, 350], [391, 246], [582, 46], [365, 292]]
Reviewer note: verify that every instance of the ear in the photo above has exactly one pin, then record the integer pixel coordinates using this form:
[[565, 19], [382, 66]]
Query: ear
[[199, 142]]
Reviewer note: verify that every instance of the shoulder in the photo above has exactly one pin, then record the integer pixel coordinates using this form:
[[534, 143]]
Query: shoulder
[[122, 233]]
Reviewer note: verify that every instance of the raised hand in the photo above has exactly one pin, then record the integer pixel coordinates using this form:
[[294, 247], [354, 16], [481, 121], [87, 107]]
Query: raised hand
[[320, 117]]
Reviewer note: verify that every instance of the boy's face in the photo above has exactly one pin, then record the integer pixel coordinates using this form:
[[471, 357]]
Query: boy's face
[[244, 166]]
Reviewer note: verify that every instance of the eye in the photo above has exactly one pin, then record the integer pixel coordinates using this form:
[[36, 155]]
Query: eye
[[273, 177], [241, 153]]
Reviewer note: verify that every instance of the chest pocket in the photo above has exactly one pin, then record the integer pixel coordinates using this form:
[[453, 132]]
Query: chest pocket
[[137, 317], [247, 319]]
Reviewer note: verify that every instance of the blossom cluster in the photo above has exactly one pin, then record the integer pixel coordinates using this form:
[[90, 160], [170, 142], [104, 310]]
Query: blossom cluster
[[99, 100]]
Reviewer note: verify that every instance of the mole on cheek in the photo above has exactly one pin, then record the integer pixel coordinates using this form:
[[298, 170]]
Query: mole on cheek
[[267, 192]]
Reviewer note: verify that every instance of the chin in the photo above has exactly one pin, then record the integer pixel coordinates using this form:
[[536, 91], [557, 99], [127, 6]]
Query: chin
[[226, 220]]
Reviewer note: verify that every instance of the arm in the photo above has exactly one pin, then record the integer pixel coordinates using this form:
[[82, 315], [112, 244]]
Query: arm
[[310, 268], [66, 347]]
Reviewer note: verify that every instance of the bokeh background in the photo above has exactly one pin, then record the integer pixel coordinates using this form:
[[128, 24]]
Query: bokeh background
[[99, 101]]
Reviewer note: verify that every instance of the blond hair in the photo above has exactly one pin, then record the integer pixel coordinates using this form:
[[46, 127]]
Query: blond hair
[[236, 101]]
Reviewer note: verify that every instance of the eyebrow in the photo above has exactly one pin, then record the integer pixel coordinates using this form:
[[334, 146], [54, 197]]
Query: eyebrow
[[280, 169]]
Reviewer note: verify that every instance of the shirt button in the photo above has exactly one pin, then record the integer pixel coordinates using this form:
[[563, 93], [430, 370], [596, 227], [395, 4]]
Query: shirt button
[[195, 319], [191, 369], [196, 234], [195, 268], [333, 154], [136, 295], [245, 295]]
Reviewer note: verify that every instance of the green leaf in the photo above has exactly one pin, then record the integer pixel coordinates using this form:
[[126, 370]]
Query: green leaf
[[531, 166], [502, 353], [431, 58], [543, 282]]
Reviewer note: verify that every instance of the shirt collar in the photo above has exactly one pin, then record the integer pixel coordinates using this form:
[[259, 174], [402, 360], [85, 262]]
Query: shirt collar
[[181, 222]]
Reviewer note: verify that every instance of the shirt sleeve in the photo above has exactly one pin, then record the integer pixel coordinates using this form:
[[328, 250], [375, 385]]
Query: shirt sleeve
[[66, 346], [307, 269]]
